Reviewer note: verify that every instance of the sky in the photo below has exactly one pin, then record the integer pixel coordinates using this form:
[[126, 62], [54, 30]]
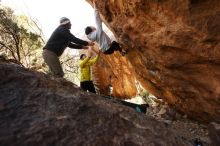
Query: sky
[[48, 13]]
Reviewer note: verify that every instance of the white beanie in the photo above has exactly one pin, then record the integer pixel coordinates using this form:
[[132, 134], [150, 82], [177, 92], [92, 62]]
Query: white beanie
[[64, 21]]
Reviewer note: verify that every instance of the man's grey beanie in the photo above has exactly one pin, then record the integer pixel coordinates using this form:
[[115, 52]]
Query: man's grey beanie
[[64, 21]]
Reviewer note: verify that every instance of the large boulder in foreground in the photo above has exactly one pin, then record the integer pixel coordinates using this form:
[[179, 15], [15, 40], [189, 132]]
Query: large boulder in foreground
[[37, 110], [214, 132], [174, 51]]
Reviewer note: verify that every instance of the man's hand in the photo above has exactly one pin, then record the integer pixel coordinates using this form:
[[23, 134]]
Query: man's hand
[[89, 53], [91, 44], [95, 51], [85, 47]]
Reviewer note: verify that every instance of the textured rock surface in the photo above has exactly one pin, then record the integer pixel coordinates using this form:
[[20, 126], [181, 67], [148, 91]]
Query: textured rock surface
[[214, 132], [116, 71], [174, 51], [35, 110]]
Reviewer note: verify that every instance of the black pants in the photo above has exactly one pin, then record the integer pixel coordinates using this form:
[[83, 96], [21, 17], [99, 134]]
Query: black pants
[[88, 85], [114, 47]]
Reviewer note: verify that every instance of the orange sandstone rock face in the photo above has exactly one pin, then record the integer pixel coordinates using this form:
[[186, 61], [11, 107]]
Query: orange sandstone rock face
[[115, 70], [174, 51]]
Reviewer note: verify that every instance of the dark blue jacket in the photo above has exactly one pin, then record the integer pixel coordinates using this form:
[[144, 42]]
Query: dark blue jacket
[[62, 38]]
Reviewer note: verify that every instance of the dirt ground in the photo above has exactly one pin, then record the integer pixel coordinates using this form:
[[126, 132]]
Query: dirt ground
[[191, 131], [196, 133]]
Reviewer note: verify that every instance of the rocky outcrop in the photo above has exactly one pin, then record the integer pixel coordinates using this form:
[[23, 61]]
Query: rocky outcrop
[[174, 51], [38, 110], [115, 71]]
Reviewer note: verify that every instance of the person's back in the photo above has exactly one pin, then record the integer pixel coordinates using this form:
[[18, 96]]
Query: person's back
[[85, 72], [58, 42], [85, 67]]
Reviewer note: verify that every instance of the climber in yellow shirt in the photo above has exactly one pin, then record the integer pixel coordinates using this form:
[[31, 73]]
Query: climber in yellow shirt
[[85, 64]]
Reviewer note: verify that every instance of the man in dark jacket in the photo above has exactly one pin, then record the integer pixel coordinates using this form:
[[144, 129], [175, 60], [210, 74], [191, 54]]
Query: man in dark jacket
[[57, 43]]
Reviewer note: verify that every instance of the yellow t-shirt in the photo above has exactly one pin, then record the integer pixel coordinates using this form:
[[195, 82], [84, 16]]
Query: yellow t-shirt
[[85, 68]]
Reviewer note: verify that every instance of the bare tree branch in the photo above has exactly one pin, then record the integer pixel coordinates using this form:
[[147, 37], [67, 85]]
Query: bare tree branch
[[6, 47]]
